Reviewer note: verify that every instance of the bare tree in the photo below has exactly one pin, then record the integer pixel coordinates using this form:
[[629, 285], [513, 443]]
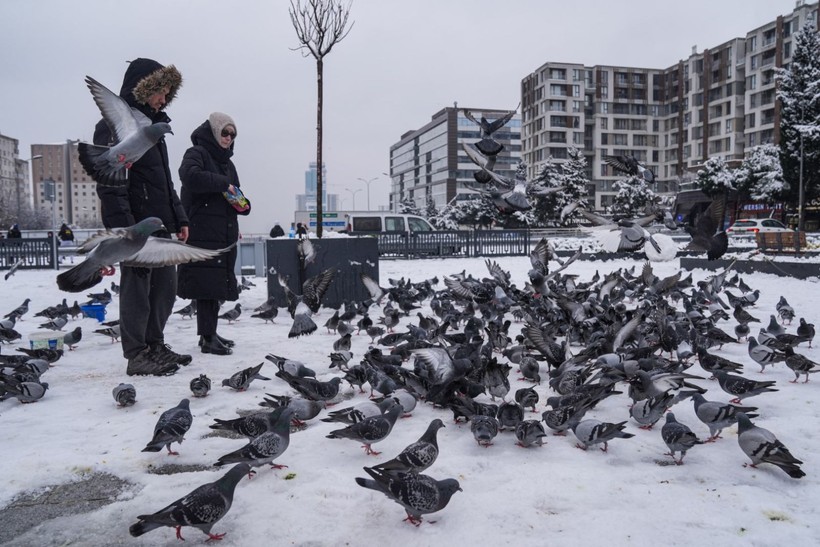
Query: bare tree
[[319, 25]]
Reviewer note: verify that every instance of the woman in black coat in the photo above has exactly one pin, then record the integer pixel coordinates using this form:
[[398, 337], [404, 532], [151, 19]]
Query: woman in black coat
[[208, 174]]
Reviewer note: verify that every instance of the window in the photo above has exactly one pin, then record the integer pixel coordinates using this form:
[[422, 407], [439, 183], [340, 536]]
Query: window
[[558, 74], [418, 225], [604, 123], [576, 75], [557, 106], [576, 90], [751, 82], [367, 224], [558, 89], [558, 136], [576, 106]]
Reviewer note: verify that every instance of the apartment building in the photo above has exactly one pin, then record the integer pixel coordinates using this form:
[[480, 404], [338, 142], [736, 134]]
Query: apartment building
[[430, 161], [75, 193], [719, 101]]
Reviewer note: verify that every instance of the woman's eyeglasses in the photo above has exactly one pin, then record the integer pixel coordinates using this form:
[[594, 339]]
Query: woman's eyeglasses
[[226, 133]]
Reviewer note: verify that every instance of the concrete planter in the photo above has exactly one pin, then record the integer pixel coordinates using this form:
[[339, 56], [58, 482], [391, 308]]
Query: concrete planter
[[351, 256]]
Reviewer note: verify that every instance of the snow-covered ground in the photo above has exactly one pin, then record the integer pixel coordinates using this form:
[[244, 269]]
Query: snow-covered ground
[[553, 495]]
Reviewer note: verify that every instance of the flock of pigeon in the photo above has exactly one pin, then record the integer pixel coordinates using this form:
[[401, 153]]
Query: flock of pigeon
[[588, 340]]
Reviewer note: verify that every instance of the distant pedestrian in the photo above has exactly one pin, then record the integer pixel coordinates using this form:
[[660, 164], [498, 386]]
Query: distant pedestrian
[[277, 231], [301, 230], [14, 232], [65, 234]]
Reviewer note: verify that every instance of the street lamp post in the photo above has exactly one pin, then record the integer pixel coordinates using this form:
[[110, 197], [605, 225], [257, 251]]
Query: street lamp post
[[353, 195], [367, 182], [50, 194], [800, 189]]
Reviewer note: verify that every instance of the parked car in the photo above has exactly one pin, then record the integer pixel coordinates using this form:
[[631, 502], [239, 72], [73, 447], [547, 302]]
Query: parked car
[[378, 222], [751, 226]]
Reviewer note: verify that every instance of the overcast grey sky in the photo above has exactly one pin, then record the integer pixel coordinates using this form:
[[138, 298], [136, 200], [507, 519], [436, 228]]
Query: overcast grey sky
[[403, 61]]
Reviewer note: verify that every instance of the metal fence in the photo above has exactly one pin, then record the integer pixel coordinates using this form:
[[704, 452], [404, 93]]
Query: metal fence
[[462, 243], [35, 253]]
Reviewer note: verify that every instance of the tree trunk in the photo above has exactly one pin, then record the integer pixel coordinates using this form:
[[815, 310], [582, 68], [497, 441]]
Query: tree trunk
[[319, 181]]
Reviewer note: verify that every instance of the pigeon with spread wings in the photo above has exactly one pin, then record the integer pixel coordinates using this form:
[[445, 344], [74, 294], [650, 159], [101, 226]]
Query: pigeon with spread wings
[[707, 234], [629, 165], [134, 132], [301, 307], [133, 246]]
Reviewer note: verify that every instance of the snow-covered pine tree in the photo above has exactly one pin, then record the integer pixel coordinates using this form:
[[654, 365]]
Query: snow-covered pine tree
[[760, 176], [633, 195], [715, 177], [573, 179], [799, 96], [408, 207], [430, 209]]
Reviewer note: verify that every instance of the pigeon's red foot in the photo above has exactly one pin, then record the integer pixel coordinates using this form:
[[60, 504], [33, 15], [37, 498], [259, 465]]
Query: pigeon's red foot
[[179, 533], [277, 466], [121, 158], [216, 537], [413, 520], [369, 451]]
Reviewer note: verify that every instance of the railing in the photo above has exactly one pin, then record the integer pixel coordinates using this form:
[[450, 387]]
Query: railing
[[36, 253], [461, 243]]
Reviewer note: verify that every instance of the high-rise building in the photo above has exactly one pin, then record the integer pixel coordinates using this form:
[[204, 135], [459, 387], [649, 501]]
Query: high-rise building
[[75, 193], [717, 102], [14, 178], [307, 201], [430, 161]]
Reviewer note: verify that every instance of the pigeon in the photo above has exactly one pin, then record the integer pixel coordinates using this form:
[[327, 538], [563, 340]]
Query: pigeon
[[310, 388], [418, 456], [125, 394], [629, 165], [73, 338], [232, 314], [56, 324], [171, 428], [250, 426], [357, 413], [648, 411], [132, 246], [742, 387], [763, 355], [115, 288], [800, 364], [200, 386], [306, 251], [188, 310], [806, 331], [266, 447], [100, 297], [25, 392], [418, 494], [678, 437], [301, 307], [201, 508], [706, 232], [487, 145], [50, 355], [242, 379], [509, 414], [294, 368], [590, 432], [134, 132], [530, 432], [13, 269], [303, 409], [370, 430], [718, 416], [527, 397], [784, 310], [111, 332], [20, 310], [267, 315], [333, 322], [484, 429], [762, 446]]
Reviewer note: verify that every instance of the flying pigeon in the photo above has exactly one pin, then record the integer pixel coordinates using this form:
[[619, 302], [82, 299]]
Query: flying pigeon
[[266, 447], [201, 508], [134, 132], [418, 456], [133, 246], [301, 307], [487, 145], [242, 379], [200, 386], [762, 446], [171, 428], [13, 269], [678, 437], [707, 233], [418, 494], [125, 394], [629, 165], [370, 430]]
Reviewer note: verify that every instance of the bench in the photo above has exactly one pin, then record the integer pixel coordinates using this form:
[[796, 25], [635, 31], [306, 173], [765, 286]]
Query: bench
[[781, 242]]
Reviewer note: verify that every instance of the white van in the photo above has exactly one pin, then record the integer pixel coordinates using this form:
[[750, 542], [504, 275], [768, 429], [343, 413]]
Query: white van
[[380, 222]]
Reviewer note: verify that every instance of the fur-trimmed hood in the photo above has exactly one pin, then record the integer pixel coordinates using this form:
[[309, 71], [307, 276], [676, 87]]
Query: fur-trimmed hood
[[145, 77]]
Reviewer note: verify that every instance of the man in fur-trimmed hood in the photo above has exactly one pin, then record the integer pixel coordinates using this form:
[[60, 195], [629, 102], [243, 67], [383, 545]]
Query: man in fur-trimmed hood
[[146, 294]]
